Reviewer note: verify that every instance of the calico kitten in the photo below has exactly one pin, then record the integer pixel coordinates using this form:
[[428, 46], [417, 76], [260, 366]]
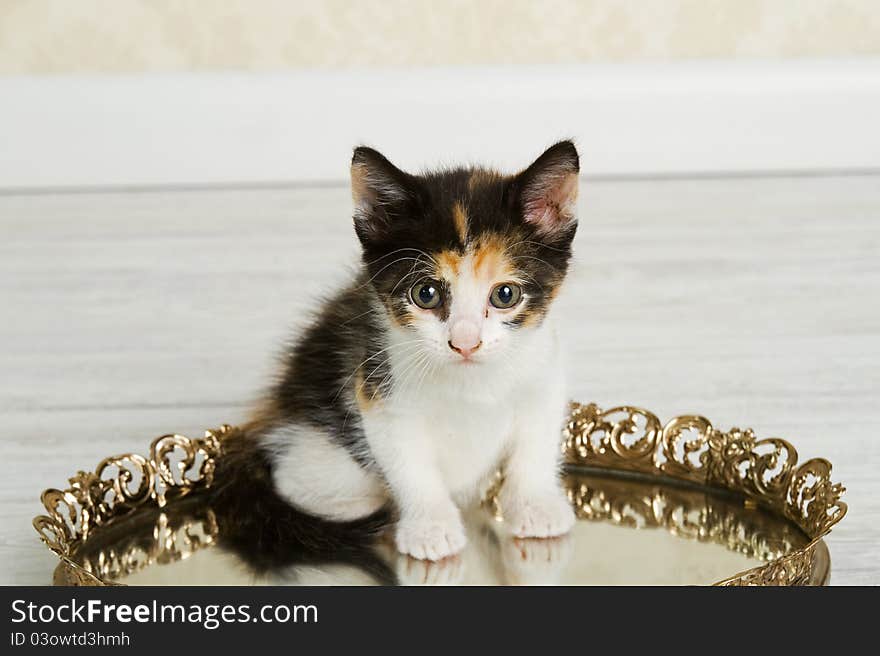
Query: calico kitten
[[439, 362]]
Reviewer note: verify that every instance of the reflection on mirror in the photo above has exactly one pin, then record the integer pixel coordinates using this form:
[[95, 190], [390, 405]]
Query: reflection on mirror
[[632, 530]]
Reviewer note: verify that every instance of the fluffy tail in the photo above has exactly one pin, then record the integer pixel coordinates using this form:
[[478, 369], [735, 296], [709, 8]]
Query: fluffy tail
[[267, 532]]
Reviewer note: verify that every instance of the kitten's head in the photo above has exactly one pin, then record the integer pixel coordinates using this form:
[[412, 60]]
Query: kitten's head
[[466, 260]]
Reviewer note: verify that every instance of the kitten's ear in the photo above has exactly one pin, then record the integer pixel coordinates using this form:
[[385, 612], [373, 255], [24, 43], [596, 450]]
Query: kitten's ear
[[379, 189], [546, 191]]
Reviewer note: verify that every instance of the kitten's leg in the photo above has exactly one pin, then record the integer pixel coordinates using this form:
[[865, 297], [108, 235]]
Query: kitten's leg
[[320, 477], [532, 500], [430, 526]]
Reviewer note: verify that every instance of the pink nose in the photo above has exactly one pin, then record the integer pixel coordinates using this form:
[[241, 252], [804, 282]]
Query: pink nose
[[464, 338]]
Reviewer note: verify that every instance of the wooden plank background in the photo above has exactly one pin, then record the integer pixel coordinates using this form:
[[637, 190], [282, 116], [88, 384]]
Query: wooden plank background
[[754, 301]]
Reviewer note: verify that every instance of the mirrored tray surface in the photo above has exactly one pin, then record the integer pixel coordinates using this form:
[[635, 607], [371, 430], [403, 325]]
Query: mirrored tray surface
[[677, 504]]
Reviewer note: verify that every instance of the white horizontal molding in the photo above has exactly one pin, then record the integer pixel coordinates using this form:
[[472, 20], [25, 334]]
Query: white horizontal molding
[[629, 119]]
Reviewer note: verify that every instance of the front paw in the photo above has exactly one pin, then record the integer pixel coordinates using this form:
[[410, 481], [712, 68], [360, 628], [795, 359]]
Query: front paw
[[430, 537], [544, 515]]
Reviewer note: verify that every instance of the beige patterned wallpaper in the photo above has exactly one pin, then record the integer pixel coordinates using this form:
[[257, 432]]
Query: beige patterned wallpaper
[[62, 36]]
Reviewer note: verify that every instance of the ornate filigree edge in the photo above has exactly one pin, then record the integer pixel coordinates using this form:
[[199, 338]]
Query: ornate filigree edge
[[166, 539], [177, 466], [624, 438], [689, 448]]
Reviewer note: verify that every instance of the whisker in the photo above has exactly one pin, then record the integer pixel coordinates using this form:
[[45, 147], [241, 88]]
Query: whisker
[[531, 242], [362, 314], [411, 272], [376, 354], [390, 264], [412, 347], [532, 278], [531, 257], [429, 366], [400, 250], [397, 379]]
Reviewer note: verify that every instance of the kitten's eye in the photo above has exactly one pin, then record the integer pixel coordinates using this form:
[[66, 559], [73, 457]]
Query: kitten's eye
[[505, 295], [426, 294]]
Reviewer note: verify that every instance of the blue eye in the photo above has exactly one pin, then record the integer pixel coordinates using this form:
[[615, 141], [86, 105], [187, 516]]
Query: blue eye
[[505, 295], [426, 294]]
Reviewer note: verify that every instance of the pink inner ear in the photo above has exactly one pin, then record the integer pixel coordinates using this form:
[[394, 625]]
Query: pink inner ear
[[551, 206]]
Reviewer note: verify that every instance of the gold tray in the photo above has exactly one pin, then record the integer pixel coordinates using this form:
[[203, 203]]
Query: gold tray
[[680, 503]]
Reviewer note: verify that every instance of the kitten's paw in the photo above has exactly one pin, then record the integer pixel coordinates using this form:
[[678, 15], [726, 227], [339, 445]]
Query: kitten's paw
[[539, 516], [432, 537]]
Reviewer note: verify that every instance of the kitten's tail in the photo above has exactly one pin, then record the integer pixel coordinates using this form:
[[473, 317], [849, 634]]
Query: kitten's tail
[[255, 521]]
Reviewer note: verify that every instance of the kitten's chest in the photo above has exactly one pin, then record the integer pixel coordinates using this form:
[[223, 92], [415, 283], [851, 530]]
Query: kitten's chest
[[467, 440]]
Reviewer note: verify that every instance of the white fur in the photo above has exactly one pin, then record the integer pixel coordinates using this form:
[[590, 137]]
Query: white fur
[[444, 429], [320, 478]]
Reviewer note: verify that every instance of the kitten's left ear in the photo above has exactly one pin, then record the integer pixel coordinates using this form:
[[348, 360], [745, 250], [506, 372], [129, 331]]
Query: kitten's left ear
[[546, 191], [379, 190]]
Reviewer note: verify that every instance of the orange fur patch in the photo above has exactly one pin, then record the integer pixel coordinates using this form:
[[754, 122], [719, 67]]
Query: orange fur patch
[[459, 216], [448, 264], [365, 395], [490, 259], [359, 189]]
